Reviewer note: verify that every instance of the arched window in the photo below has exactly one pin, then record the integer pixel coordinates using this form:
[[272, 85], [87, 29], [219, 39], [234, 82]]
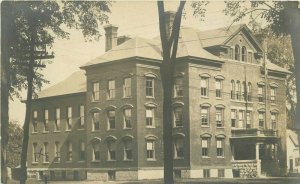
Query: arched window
[[237, 52], [232, 90], [244, 54]]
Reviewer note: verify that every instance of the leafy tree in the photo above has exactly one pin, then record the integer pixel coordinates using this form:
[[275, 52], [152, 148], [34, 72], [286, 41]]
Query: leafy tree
[[14, 146], [28, 27], [283, 18]]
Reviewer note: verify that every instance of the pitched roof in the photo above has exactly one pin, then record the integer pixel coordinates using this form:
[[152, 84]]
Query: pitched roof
[[218, 36], [135, 47], [272, 66], [75, 83]]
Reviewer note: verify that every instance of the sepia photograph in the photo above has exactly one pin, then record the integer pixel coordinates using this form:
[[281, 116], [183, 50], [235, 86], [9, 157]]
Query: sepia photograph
[[162, 92]]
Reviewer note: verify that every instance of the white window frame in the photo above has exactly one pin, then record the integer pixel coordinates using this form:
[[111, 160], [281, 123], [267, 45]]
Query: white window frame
[[127, 87], [150, 88], [127, 118], [111, 120], [205, 147], [220, 147], [204, 86], [150, 117], [111, 91], [81, 114], [175, 124], [219, 117], [46, 152], [94, 117], [69, 119], [96, 91], [150, 149], [46, 120], [219, 86], [203, 115], [57, 120], [56, 151]]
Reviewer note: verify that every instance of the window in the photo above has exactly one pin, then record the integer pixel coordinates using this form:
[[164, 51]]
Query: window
[[81, 120], [57, 119], [178, 87], [241, 119], [46, 152], [82, 151], [218, 88], [149, 87], [178, 117], [178, 148], [127, 118], [249, 57], [111, 89], [204, 145], [244, 54], [221, 173], [149, 117], [273, 94], [127, 87], [150, 150], [274, 117], [128, 150], [232, 92], [248, 119], [261, 119], [204, 86], [220, 149], [249, 92], [230, 53], [57, 152], [111, 115], [219, 117], [96, 120], [96, 92], [244, 92], [237, 52], [205, 116], [111, 145], [233, 118], [206, 173], [34, 122], [111, 175], [69, 151], [69, 118], [46, 121], [35, 152], [238, 90], [96, 150], [260, 94]]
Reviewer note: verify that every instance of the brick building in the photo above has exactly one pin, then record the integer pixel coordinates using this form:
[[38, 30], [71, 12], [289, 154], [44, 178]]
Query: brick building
[[105, 122]]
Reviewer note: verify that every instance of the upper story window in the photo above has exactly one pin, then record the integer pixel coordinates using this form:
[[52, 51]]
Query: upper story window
[[273, 94], [96, 91], [69, 118], [249, 92], [69, 151], [127, 87], [260, 94], [237, 52], [46, 152], [82, 151], [111, 116], [238, 90], [248, 119], [150, 148], [205, 116], [128, 149], [218, 88], [261, 119], [35, 154], [220, 147], [178, 147], [149, 87], [57, 152], [96, 120], [204, 146], [57, 119], [127, 118], [96, 150], [46, 120], [244, 54], [81, 114], [232, 92], [149, 117], [250, 57], [241, 119], [204, 86], [178, 117], [233, 118], [219, 117], [178, 87], [111, 89], [34, 121], [230, 53], [274, 117], [111, 145], [244, 92]]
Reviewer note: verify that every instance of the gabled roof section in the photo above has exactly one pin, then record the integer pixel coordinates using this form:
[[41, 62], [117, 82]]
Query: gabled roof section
[[75, 83], [135, 47], [223, 35], [274, 67]]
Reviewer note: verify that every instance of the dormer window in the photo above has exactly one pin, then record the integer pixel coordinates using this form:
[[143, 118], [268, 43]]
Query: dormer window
[[244, 54], [237, 52]]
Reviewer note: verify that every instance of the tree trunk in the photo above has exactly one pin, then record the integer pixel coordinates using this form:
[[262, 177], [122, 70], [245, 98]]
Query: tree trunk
[[30, 76]]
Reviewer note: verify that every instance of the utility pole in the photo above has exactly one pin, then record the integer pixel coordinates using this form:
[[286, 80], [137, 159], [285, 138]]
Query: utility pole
[[266, 81]]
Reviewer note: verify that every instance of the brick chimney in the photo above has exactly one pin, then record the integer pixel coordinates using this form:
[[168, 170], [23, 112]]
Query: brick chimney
[[169, 19], [111, 36]]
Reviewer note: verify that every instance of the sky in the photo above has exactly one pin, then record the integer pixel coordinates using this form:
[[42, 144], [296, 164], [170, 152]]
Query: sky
[[134, 18]]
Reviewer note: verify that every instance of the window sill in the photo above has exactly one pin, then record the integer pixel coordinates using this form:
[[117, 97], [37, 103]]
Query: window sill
[[81, 161], [127, 128], [178, 158], [68, 130], [34, 132], [69, 161], [150, 97], [34, 163], [95, 101], [56, 131], [219, 98], [150, 127], [220, 127], [220, 156], [46, 162], [95, 161], [111, 130], [261, 103], [81, 129], [206, 97], [151, 160], [205, 157], [205, 126], [45, 132]]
